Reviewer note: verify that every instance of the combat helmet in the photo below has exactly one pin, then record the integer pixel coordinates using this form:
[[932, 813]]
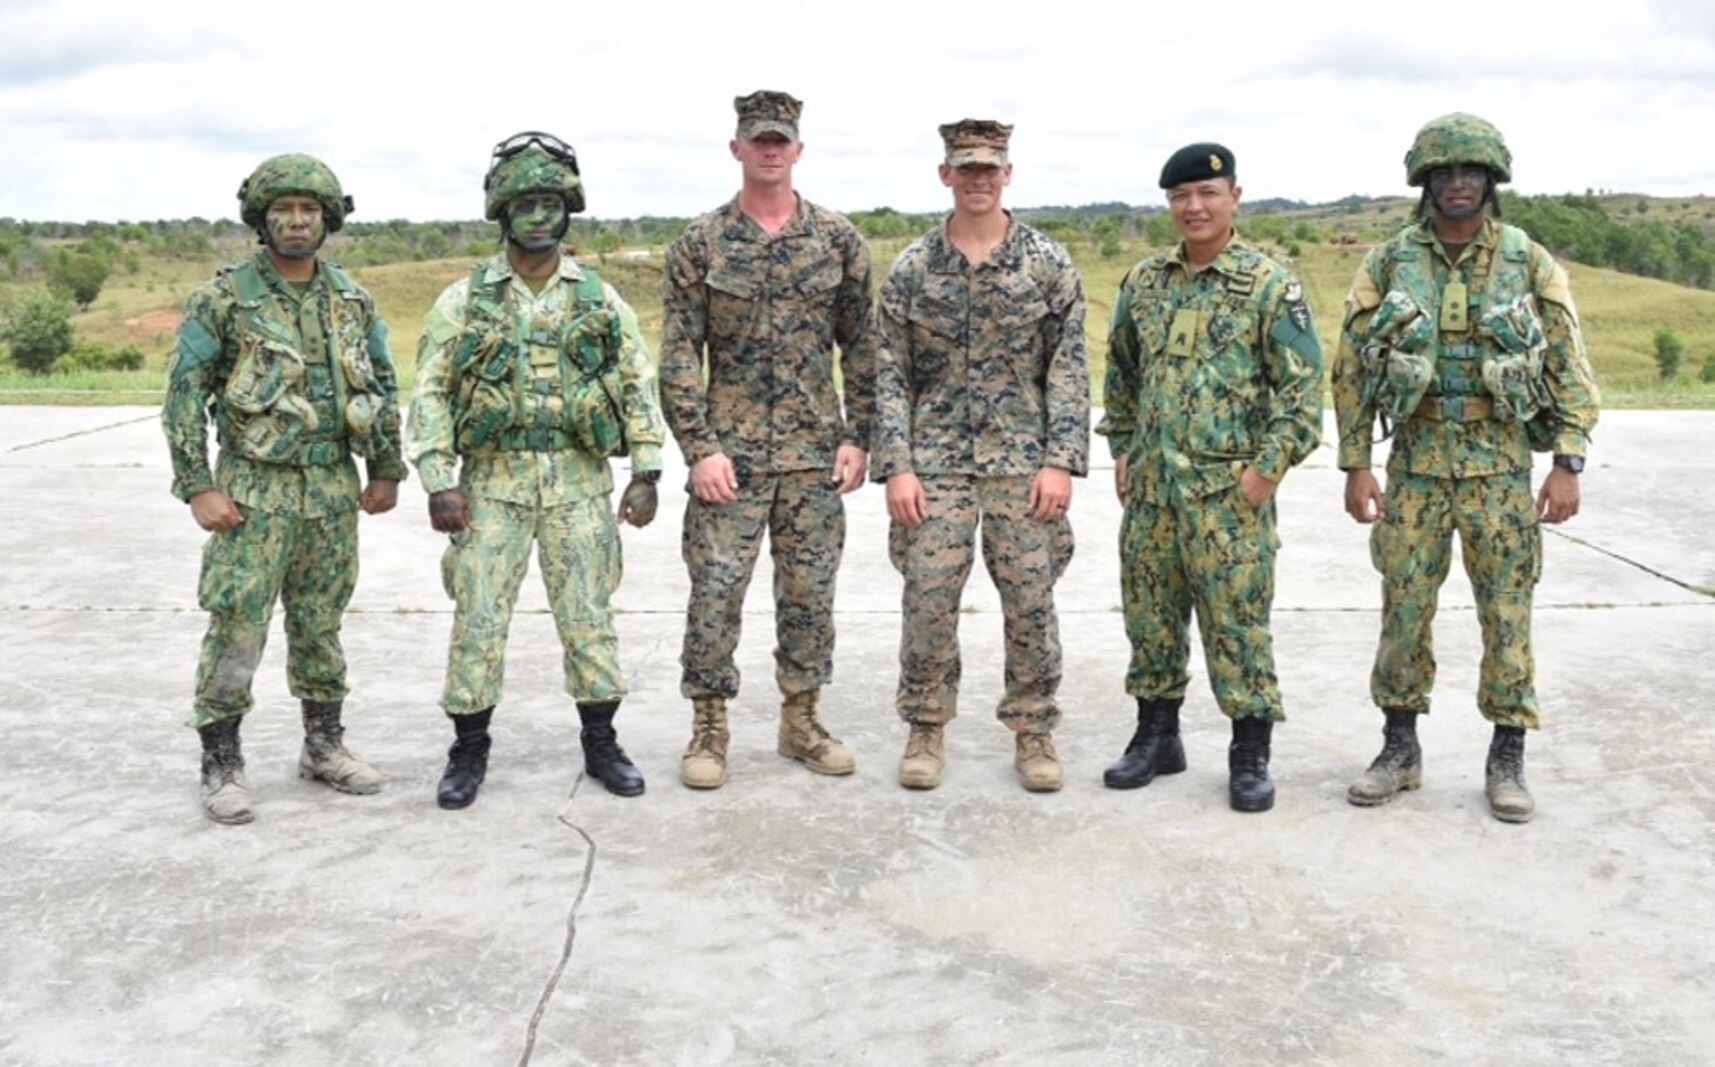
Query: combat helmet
[[532, 162], [1457, 138], [293, 174]]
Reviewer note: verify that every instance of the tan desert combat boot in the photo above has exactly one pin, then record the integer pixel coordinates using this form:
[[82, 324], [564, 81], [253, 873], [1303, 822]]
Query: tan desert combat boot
[[805, 739], [920, 767], [1037, 762], [704, 763]]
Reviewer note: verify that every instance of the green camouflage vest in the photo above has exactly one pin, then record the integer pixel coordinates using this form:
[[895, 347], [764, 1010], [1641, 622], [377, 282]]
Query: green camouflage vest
[[1491, 344], [282, 404], [547, 388]]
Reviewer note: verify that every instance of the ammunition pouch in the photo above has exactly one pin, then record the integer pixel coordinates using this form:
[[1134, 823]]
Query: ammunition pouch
[[1513, 376], [1397, 372]]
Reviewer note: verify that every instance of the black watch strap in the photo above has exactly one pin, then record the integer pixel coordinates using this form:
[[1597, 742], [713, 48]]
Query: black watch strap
[[1575, 464], [646, 476]]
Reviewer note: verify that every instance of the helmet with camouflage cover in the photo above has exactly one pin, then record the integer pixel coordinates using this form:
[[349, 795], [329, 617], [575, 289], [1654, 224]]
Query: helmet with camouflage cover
[[1457, 138], [532, 163], [293, 174]]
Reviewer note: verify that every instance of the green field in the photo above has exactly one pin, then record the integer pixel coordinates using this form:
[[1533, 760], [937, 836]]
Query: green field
[[1621, 312]]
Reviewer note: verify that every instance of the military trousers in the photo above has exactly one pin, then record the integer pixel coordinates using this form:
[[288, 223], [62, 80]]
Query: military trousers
[[805, 520], [308, 564], [1500, 543], [1213, 556], [483, 567], [1024, 558]]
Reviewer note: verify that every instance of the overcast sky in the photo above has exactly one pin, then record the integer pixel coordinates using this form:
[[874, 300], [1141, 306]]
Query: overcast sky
[[116, 109]]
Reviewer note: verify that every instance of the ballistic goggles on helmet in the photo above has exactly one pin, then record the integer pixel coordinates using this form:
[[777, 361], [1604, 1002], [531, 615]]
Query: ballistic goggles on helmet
[[547, 142]]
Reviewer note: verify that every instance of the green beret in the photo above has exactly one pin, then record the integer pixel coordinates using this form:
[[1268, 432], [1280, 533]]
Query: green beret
[[1196, 162]]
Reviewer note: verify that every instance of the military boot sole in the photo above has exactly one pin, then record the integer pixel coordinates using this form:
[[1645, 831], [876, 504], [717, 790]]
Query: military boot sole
[[1254, 803], [215, 808], [835, 768], [701, 779], [1512, 814], [1403, 782], [345, 784], [1040, 784], [1173, 762], [919, 777]]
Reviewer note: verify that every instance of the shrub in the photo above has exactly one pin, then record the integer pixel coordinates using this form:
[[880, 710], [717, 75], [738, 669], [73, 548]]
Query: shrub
[[38, 330], [1668, 350]]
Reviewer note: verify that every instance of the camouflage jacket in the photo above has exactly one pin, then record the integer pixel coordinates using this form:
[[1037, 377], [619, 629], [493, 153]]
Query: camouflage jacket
[[1457, 447], [1210, 371], [981, 371], [768, 309], [550, 476], [281, 370]]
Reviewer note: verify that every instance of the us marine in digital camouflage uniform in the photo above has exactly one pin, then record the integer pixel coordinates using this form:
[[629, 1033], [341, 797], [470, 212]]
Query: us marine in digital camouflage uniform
[[763, 289], [983, 418], [531, 373], [1462, 339], [1214, 391], [285, 353]]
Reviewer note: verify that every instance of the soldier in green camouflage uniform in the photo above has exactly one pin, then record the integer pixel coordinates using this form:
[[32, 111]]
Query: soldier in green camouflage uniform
[[762, 290], [287, 356], [531, 373], [1214, 392], [983, 419], [1461, 338]]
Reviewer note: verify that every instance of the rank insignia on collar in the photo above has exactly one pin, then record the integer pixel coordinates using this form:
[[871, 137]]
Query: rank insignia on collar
[[1241, 283]]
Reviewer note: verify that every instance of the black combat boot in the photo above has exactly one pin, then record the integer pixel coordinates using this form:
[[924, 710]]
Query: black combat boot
[[604, 760], [1509, 799], [1154, 749], [225, 796], [1249, 787], [467, 760], [1398, 768]]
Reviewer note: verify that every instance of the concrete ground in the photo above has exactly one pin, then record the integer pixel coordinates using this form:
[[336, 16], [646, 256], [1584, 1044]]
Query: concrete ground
[[788, 918]]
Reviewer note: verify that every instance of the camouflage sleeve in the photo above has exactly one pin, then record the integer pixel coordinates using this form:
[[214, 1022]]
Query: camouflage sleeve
[[1354, 419], [1292, 365], [854, 329], [644, 429], [197, 372], [684, 330], [429, 441], [388, 463], [891, 441], [1068, 386], [1566, 366], [1122, 383]]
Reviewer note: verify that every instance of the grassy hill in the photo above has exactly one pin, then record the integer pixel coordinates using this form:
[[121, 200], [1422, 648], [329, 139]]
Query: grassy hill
[[1620, 312]]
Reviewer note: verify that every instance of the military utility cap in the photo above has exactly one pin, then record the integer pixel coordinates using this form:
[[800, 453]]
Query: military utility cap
[[766, 111], [1198, 162], [1457, 138], [976, 141], [532, 162], [292, 174]]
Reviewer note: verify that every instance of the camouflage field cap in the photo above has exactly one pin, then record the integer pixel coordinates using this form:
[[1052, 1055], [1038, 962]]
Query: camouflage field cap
[[981, 141], [532, 163], [767, 111], [1199, 162], [1457, 138], [293, 174]]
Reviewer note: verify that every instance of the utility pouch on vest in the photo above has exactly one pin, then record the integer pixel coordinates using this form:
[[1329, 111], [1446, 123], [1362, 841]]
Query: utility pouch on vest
[[363, 396], [1397, 373], [266, 391], [594, 414], [1514, 378]]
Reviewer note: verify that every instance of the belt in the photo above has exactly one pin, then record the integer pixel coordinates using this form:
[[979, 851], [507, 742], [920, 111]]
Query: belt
[[1454, 408]]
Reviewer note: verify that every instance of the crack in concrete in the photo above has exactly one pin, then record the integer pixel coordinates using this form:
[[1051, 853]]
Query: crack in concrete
[[1646, 568], [571, 928], [82, 433]]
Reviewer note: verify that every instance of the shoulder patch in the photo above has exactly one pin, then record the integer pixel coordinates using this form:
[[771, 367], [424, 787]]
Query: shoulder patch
[[193, 347]]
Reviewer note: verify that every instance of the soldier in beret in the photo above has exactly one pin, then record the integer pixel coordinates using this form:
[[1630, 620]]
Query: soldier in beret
[[983, 398], [758, 296], [1213, 392]]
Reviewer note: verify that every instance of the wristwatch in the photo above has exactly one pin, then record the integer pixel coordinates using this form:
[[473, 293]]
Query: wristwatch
[[1574, 464], [646, 476]]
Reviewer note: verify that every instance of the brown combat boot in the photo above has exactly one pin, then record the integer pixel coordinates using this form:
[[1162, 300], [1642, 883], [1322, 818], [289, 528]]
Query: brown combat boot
[[704, 764], [325, 756], [920, 767], [1509, 799], [1037, 762], [225, 795], [805, 739], [1398, 768]]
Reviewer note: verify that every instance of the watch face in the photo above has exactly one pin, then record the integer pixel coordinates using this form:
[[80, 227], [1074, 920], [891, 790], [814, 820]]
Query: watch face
[[1575, 464]]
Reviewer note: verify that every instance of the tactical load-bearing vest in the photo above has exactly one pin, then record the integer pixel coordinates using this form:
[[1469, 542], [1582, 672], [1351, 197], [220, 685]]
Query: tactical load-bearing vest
[[547, 387], [1476, 351], [285, 405]]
